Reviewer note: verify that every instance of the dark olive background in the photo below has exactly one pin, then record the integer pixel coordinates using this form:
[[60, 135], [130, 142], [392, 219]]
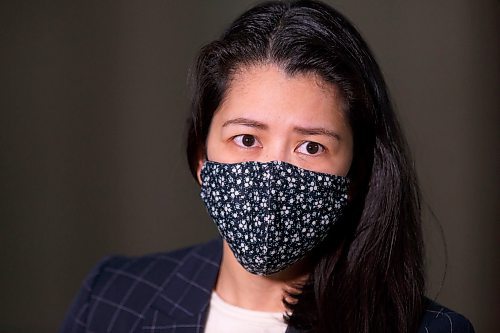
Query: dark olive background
[[93, 102]]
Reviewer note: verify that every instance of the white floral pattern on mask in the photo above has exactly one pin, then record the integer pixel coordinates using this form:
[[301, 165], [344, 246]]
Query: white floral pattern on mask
[[271, 214]]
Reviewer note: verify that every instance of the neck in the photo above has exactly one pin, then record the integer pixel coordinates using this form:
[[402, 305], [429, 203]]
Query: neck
[[255, 292]]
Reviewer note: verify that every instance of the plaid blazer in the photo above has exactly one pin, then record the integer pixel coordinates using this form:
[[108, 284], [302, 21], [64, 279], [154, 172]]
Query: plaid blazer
[[170, 292]]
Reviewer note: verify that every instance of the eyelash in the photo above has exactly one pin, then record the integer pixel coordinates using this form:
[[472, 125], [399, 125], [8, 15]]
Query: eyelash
[[238, 140]]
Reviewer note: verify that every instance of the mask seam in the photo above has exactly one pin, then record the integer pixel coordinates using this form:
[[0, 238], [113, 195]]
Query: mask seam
[[271, 175]]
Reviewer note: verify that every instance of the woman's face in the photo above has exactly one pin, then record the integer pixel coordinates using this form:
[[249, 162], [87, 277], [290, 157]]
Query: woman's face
[[268, 115]]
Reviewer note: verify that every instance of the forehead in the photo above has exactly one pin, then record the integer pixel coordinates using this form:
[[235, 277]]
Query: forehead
[[251, 76], [268, 89]]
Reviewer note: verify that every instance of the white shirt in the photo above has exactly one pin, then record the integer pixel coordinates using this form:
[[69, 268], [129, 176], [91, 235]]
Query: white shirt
[[226, 318]]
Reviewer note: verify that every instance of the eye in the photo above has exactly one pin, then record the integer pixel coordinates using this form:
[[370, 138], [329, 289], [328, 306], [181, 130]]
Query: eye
[[246, 141], [310, 148]]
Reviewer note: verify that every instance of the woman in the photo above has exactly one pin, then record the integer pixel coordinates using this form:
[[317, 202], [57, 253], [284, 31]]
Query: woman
[[305, 172]]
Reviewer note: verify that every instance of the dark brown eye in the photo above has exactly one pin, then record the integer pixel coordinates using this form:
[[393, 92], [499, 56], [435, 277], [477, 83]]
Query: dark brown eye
[[248, 140], [312, 148]]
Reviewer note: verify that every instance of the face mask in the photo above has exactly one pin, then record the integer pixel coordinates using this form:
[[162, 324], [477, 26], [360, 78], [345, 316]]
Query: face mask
[[271, 214]]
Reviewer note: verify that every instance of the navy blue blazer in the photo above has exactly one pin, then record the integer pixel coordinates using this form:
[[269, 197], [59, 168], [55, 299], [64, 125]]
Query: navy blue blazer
[[170, 292]]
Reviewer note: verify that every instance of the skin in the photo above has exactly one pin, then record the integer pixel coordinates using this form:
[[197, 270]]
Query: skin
[[268, 115]]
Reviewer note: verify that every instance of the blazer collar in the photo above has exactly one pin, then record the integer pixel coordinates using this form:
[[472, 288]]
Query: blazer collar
[[186, 296], [188, 290]]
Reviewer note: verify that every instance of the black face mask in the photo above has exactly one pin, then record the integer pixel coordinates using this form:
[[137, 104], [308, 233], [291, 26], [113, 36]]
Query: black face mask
[[271, 214]]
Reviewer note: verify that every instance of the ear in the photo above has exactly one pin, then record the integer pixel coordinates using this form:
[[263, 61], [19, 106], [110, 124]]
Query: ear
[[198, 169]]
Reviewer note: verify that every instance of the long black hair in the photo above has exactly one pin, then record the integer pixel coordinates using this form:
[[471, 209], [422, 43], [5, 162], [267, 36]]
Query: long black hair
[[368, 274]]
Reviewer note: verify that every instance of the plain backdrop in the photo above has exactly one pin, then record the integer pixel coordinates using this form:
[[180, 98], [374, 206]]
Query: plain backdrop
[[93, 103]]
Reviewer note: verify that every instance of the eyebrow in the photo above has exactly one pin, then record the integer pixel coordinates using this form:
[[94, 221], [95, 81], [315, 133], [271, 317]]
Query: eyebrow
[[246, 122], [316, 131], [300, 130]]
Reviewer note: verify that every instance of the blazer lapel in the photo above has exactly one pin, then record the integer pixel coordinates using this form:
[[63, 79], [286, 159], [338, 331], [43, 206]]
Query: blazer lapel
[[182, 304]]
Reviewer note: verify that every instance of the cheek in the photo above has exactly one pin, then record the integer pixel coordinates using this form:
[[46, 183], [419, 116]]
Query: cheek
[[211, 145], [344, 160], [216, 148], [344, 167], [215, 142]]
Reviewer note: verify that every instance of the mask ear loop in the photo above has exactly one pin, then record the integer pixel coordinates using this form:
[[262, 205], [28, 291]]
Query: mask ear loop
[[201, 162]]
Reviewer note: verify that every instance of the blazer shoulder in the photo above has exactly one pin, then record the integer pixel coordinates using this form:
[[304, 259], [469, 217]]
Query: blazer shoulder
[[150, 270], [439, 319], [119, 288]]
